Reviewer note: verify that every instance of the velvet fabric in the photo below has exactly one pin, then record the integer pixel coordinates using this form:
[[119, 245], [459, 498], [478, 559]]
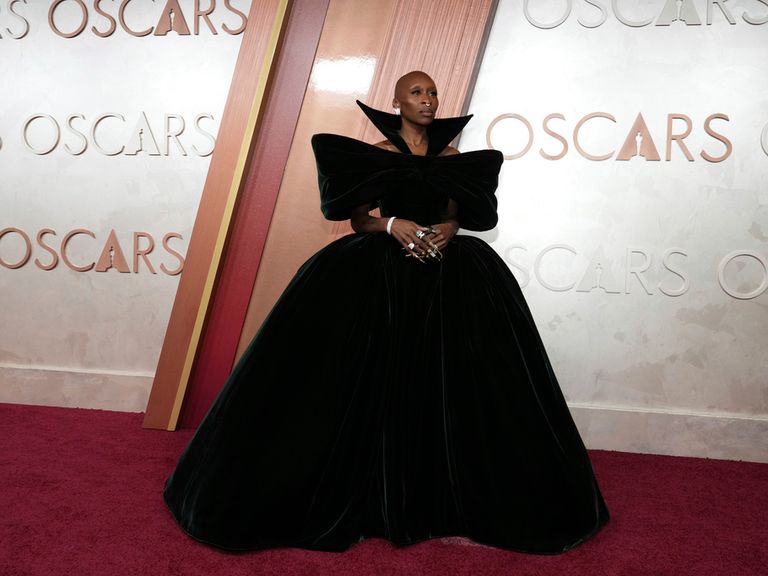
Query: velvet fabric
[[352, 173], [385, 397]]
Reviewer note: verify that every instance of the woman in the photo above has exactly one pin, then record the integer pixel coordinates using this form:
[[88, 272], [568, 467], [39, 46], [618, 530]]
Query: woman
[[399, 387]]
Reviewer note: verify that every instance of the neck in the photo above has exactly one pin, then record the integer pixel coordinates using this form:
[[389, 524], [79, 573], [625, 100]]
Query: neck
[[414, 135]]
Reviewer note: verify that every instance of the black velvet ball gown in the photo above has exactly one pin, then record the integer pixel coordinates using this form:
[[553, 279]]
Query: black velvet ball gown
[[384, 397]]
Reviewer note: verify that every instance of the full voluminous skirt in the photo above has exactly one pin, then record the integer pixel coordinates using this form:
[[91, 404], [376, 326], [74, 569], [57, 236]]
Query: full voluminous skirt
[[388, 398]]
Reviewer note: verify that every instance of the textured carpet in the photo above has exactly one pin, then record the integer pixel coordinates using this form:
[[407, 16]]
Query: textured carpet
[[80, 494]]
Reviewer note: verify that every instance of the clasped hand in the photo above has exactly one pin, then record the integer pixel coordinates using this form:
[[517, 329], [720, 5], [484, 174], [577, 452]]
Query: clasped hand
[[423, 242]]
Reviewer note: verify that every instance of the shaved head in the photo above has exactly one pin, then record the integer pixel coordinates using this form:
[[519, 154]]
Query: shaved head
[[404, 83]]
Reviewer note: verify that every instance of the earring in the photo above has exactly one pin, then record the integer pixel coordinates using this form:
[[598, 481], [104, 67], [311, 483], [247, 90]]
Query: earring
[[396, 109]]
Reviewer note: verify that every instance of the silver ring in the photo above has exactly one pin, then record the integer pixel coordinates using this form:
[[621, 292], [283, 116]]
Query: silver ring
[[411, 246]]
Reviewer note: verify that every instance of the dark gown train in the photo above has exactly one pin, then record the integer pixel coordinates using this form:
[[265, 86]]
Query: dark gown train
[[388, 398]]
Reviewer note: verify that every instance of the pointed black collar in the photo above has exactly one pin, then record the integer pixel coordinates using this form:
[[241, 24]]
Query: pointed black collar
[[440, 132]]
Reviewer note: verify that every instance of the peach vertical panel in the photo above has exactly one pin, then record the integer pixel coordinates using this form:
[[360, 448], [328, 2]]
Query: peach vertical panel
[[364, 48], [241, 113]]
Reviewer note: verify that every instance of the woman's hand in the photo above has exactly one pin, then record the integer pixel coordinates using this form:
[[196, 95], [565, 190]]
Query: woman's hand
[[407, 233], [443, 233]]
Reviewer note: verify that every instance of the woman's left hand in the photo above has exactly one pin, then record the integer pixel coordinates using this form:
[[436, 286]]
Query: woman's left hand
[[443, 233]]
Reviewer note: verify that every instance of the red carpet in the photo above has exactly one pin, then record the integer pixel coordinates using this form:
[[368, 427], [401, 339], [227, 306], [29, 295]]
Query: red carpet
[[81, 496]]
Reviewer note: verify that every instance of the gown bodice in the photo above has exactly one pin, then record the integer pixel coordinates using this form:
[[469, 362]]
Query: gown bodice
[[423, 204], [352, 173]]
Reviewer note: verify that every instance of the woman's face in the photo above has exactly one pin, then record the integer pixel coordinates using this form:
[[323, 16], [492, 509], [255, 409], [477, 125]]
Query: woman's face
[[416, 96]]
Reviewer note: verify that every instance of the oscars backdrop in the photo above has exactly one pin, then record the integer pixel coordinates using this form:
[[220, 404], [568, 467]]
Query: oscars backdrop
[[634, 210], [110, 111]]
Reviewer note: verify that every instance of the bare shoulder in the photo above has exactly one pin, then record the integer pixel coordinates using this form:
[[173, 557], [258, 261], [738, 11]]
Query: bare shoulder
[[449, 151], [386, 145]]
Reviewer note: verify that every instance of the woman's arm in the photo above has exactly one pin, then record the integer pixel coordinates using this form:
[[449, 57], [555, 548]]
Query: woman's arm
[[362, 221], [402, 230]]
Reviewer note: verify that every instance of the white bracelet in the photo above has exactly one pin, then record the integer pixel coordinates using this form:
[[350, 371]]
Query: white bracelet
[[389, 225]]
